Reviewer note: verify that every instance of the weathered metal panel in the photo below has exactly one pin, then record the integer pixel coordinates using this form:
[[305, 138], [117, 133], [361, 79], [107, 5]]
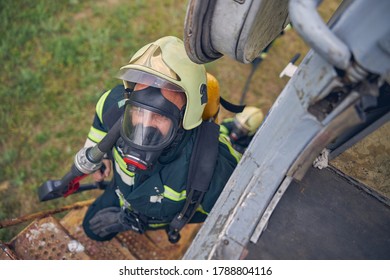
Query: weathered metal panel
[[291, 137], [370, 18], [309, 24], [242, 29], [285, 132], [46, 239]]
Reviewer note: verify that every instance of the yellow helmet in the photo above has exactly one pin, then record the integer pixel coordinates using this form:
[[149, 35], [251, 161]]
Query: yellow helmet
[[212, 108], [165, 64], [250, 119]]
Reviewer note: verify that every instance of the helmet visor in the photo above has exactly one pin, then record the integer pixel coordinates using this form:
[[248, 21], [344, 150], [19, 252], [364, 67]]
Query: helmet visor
[[144, 128], [140, 77]]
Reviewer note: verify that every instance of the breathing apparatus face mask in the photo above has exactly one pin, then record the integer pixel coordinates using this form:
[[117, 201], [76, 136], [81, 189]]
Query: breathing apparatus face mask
[[238, 131], [149, 125]]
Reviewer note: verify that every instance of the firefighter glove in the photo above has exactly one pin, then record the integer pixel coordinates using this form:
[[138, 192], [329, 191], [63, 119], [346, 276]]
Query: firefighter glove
[[114, 220]]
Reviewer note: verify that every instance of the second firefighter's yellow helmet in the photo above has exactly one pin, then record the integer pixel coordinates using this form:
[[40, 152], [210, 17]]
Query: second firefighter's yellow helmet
[[250, 119], [165, 64]]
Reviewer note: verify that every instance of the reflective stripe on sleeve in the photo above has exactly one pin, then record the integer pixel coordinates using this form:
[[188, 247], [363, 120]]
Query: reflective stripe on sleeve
[[100, 104], [96, 135], [224, 139], [223, 129], [89, 143]]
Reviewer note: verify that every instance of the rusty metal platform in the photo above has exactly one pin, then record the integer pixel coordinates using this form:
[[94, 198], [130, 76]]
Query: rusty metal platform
[[50, 239], [46, 239], [154, 245]]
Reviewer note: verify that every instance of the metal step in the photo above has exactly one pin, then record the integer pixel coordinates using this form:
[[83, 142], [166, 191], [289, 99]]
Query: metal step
[[154, 245], [108, 250], [47, 239], [50, 239]]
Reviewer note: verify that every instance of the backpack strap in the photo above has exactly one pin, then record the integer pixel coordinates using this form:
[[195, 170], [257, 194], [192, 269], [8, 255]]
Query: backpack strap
[[112, 115], [230, 106], [201, 170], [115, 106]]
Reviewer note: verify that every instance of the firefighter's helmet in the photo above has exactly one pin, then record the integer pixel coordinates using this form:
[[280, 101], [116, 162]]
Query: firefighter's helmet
[[165, 64], [249, 119]]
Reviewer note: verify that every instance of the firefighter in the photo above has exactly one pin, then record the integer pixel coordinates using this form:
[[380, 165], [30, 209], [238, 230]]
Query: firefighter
[[242, 127], [160, 105]]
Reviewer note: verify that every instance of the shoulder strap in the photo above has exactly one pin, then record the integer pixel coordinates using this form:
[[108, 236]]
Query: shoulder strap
[[115, 108], [201, 169], [230, 106], [112, 116]]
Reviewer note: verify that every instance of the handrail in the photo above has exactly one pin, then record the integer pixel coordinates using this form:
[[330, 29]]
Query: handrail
[[309, 24]]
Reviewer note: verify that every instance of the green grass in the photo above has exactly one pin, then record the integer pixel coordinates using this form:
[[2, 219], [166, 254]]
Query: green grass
[[57, 57]]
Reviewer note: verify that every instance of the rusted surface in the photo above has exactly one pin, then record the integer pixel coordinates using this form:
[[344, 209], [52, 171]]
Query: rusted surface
[[46, 239], [43, 214], [108, 250], [368, 161], [154, 245], [49, 239], [141, 246], [6, 253], [160, 239]]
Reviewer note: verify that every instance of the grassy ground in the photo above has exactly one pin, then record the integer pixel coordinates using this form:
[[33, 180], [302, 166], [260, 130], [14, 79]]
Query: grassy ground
[[59, 56]]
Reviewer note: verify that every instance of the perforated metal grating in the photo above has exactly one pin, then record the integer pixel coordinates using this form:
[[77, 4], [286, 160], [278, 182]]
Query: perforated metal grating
[[49, 239], [46, 239]]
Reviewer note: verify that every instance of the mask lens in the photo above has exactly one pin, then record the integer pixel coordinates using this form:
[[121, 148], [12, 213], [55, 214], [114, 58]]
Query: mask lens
[[146, 128]]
